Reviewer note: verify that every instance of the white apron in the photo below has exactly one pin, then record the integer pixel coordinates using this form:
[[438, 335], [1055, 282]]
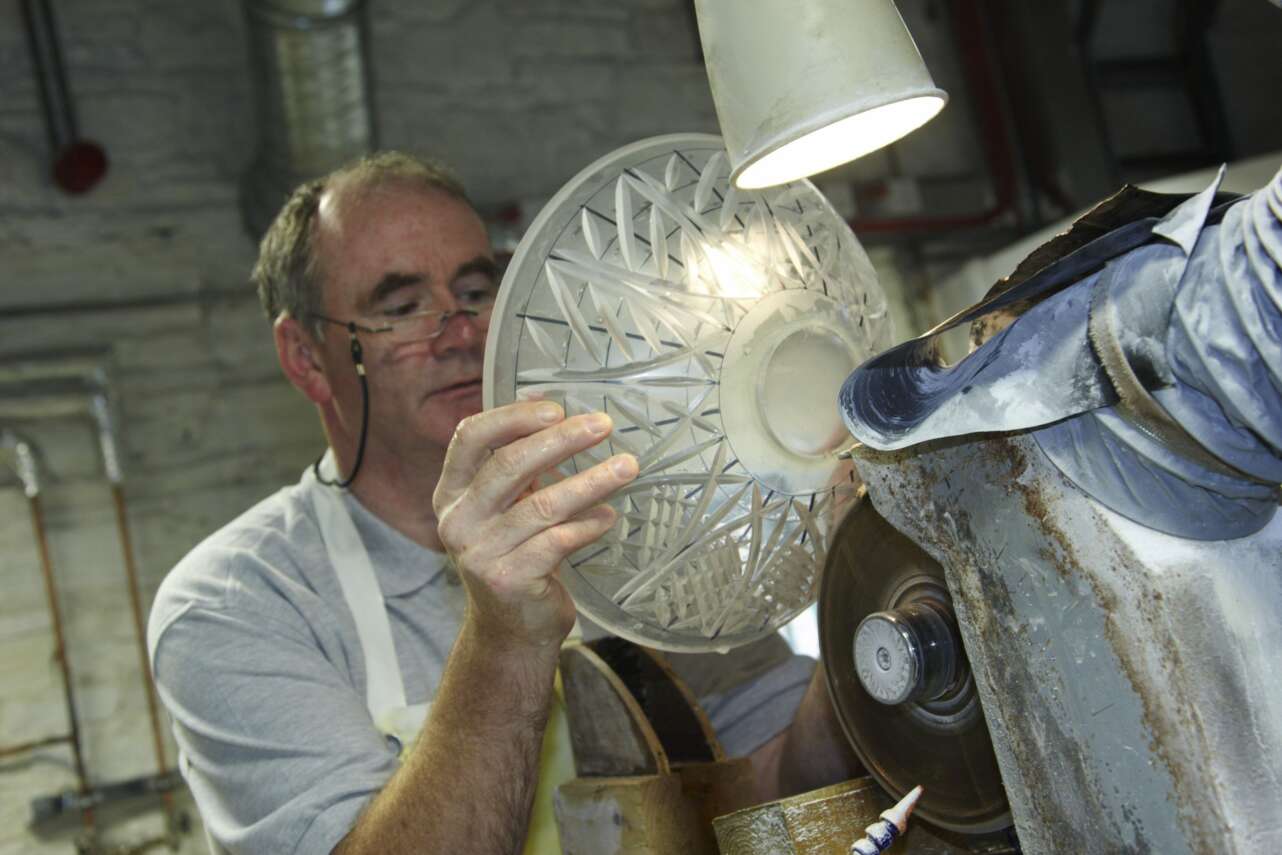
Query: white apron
[[385, 688]]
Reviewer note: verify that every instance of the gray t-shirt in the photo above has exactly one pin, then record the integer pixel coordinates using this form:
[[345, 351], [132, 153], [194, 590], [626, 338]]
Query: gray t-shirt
[[257, 658]]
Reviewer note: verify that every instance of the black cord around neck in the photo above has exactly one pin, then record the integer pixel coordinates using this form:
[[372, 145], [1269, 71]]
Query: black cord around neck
[[359, 361]]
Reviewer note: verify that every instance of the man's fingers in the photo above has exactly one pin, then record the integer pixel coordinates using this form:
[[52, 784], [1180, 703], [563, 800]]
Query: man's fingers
[[529, 567], [511, 468], [565, 500], [478, 436]]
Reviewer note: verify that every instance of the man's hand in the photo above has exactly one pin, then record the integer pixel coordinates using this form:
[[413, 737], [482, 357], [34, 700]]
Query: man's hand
[[484, 734], [508, 540]]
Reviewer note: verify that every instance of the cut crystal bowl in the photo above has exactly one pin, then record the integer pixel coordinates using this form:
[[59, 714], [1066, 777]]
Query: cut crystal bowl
[[715, 326]]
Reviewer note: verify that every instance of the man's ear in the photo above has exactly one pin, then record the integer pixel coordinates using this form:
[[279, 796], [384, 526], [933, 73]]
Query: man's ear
[[300, 359]]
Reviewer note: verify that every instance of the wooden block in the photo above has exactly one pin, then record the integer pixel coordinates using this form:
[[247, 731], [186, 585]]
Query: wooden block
[[821, 822], [609, 733], [827, 821], [668, 704], [642, 815], [717, 788]]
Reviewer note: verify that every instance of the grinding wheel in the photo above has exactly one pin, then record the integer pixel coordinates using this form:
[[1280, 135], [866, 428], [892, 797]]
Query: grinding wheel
[[878, 584]]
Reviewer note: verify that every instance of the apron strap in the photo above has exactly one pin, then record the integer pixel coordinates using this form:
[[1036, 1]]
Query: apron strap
[[384, 688]]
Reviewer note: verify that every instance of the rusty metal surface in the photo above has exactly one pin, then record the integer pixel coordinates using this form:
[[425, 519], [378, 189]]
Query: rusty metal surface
[[1128, 678]]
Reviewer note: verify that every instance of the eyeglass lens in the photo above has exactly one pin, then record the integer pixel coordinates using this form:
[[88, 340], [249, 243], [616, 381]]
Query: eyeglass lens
[[429, 325]]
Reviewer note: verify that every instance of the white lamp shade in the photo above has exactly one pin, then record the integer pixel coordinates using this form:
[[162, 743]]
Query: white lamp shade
[[801, 87]]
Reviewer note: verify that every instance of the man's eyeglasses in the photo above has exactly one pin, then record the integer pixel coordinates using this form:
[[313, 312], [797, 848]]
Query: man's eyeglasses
[[403, 324], [422, 325]]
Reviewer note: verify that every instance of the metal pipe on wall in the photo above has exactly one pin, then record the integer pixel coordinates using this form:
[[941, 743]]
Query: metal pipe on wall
[[101, 409], [78, 164], [82, 382], [977, 59], [24, 460], [312, 92], [24, 747]]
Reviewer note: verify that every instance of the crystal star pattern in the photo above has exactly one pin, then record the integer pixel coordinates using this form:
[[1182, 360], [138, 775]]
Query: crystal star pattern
[[625, 296]]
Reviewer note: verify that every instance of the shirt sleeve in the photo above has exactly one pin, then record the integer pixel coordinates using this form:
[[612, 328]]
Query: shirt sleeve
[[278, 749], [750, 694]]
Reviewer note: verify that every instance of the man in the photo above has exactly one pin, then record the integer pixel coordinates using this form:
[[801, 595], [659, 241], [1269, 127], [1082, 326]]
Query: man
[[288, 646]]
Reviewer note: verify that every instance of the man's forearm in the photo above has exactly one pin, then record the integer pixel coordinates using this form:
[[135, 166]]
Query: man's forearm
[[469, 781]]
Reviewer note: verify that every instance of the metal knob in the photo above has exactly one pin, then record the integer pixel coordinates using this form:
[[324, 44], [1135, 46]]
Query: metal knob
[[909, 654]]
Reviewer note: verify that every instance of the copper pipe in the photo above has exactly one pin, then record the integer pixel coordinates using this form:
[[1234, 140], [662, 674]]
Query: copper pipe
[[976, 54], [101, 411], [60, 647], [23, 747], [135, 605], [149, 687]]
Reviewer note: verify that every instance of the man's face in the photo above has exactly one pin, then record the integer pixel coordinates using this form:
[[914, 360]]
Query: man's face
[[390, 250]]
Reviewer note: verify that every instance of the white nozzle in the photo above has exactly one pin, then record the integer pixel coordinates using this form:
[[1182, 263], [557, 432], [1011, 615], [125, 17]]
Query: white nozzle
[[898, 815]]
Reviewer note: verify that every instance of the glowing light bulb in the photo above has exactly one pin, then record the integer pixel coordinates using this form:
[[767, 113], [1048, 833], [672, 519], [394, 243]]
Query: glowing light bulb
[[803, 87], [840, 142]]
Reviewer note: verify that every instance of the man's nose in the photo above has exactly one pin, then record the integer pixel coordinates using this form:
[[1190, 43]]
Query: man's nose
[[462, 331]]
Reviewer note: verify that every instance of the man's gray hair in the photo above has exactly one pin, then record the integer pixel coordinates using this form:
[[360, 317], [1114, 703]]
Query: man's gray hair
[[288, 275]]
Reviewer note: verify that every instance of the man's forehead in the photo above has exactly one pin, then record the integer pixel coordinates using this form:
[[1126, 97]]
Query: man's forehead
[[366, 232], [350, 202]]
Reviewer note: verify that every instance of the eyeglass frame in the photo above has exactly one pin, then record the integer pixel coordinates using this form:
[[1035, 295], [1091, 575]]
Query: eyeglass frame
[[353, 327], [358, 360], [494, 271]]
